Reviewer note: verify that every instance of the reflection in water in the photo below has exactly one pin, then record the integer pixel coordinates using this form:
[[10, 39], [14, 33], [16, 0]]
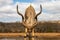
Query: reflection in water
[[12, 38], [36, 38]]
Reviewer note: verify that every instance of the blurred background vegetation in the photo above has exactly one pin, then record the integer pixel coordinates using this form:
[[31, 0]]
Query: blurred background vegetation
[[41, 27]]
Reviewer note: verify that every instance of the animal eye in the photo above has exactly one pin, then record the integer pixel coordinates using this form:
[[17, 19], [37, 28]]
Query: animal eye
[[26, 17], [36, 18]]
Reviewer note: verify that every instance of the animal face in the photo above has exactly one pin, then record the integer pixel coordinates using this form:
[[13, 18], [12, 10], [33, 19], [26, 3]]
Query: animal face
[[29, 20], [30, 17]]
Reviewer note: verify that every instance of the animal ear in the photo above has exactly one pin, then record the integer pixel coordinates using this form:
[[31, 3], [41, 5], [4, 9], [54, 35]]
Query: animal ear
[[20, 13], [40, 11]]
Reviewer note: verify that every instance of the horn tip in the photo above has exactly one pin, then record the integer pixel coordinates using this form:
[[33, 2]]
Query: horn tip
[[40, 5]]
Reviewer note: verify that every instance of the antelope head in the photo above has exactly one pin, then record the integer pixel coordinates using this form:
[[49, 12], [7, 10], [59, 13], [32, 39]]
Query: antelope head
[[29, 20]]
